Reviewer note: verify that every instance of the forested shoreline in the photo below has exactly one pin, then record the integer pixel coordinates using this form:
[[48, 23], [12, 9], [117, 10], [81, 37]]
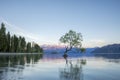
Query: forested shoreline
[[16, 44]]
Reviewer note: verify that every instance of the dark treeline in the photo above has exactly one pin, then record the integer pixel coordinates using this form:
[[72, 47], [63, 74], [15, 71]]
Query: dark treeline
[[16, 44]]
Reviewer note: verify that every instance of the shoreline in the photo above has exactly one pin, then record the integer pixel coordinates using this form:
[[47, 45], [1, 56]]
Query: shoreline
[[17, 53]]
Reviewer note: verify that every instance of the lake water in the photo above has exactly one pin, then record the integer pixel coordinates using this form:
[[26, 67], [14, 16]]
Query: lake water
[[39, 67]]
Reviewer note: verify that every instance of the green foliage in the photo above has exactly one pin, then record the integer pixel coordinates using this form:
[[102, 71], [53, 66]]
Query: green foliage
[[12, 44], [16, 44], [23, 44], [8, 42], [71, 39], [82, 50], [3, 44], [15, 41], [36, 48], [29, 48]]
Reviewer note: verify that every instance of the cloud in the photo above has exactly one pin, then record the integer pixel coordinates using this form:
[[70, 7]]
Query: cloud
[[97, 41], [94, 43], [40, 39], [21, 32]]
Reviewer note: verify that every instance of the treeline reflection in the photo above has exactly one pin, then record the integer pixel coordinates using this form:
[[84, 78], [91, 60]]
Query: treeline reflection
[[12, 66]]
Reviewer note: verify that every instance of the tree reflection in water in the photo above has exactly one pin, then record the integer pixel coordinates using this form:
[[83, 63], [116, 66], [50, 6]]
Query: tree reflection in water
[[12, 66], [72, 71]]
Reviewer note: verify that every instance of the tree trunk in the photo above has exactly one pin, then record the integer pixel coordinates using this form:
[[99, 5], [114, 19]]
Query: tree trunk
[[66, 51]]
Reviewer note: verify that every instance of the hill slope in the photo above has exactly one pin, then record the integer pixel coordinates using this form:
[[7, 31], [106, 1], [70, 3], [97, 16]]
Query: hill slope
[[113, 48]]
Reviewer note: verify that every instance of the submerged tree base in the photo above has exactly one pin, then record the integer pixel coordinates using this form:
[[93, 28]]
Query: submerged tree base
[[65, 56]]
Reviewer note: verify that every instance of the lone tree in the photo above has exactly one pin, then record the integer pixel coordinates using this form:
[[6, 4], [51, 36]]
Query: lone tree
[[71, 40]]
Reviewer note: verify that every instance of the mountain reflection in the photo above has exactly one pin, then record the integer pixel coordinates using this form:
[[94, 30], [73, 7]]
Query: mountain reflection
[[72, 71], [12, 66]]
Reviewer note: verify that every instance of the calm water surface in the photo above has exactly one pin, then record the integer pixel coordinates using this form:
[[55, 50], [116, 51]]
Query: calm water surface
[[37, 67]]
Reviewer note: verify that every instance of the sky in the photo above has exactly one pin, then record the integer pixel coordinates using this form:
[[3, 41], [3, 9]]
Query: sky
[[45, 21]]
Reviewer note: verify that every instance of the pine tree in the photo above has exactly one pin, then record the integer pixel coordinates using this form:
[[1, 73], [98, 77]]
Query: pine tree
[[28, 47], [3, 40], [37, 48], [12, 48], [16, 43], [19, 45], [23, 44], [8, 42]]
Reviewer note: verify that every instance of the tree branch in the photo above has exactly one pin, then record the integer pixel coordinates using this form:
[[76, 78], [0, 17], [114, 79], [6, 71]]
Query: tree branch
[[68, 49]]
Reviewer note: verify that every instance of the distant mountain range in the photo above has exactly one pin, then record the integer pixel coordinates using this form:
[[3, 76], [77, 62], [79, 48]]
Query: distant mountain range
[[113, 48], [61, 49], [56, 51]]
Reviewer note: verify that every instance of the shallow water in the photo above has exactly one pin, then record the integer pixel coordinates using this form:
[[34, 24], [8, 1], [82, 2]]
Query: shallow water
[[37, 67]]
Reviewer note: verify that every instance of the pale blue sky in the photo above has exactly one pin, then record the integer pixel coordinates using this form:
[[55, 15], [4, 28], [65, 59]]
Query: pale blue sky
[[45, 21]]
